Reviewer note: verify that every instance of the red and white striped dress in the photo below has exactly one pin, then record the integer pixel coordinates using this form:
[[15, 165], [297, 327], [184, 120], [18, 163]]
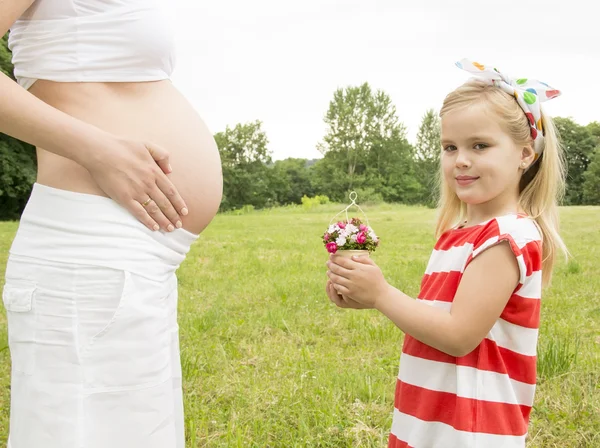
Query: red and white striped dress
[[483, 399]]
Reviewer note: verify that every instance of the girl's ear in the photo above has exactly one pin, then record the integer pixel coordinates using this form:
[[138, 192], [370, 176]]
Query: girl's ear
[[528, 156]]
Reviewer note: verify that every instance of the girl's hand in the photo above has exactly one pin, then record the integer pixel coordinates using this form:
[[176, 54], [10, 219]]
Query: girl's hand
[[133, 174], [341, 300], [359, 279]]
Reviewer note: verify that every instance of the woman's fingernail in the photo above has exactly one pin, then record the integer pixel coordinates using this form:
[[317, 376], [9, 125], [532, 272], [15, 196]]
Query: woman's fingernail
[[184, 211], [170, 227], [156, 227], [170, 168], [178, 224]]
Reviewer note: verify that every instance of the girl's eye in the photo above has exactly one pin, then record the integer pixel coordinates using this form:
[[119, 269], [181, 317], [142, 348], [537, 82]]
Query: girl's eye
[[450, 148], [480, 146]]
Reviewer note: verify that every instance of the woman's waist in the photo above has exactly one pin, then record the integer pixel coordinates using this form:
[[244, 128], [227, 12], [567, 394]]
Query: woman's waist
[[71, 93], [153, 112], [85, 229]]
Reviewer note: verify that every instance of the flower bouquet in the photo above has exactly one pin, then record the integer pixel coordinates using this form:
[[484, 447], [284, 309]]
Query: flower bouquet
[[350, 237]]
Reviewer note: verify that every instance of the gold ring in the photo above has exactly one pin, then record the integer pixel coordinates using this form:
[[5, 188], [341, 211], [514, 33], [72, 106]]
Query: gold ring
[[146, 202]]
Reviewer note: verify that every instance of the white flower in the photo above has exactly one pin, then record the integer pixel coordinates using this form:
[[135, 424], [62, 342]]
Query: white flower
[[353, 238], [332, 228], [345, 233], [340, 241], [351, 228], [373, 236]]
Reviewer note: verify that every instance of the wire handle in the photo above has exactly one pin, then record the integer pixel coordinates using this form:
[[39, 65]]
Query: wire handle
[[353, 196]]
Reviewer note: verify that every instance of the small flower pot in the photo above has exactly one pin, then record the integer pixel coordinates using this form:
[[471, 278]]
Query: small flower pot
[[351, 253]]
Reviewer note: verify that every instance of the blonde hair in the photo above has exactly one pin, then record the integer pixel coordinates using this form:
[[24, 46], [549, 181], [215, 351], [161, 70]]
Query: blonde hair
[[541, 187]]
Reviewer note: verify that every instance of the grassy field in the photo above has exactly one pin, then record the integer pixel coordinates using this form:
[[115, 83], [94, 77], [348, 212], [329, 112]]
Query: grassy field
[[268, 361]]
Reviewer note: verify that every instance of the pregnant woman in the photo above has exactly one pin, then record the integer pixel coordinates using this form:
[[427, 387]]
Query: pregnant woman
[[128, 176]]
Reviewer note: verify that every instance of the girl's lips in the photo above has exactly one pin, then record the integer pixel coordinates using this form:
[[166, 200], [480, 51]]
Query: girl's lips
[[465, 180]]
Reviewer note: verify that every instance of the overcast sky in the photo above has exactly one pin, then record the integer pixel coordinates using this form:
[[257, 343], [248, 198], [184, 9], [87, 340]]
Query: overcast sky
[[280, 61]]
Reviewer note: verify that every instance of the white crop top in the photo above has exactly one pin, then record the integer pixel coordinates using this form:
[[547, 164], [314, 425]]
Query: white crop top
[[93, 41]]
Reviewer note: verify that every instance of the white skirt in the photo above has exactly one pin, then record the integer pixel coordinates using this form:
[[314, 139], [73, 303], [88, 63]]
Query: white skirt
[[91, 302]]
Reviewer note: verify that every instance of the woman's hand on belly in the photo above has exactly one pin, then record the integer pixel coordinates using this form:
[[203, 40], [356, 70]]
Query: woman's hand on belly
[[112, 158], [133, 174]]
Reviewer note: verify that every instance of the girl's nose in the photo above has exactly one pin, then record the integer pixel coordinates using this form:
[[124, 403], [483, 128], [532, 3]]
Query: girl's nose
[[462, 159]]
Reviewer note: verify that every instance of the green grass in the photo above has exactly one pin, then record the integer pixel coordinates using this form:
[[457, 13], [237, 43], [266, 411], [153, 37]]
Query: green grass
[[268, 361]]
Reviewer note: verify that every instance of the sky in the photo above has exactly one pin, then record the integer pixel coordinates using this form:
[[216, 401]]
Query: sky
[[280, 61]]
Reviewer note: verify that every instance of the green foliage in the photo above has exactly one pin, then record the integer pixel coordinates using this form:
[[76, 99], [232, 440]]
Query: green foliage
[[369, 196], [290, 181], [6, 66], [244, 157], [329, 177], [579, 144], [594, 128], [427, 157], [246, 209], [365, 147], [591, 184], [17, 175], [308, 203], [17, 159], [365, 150]]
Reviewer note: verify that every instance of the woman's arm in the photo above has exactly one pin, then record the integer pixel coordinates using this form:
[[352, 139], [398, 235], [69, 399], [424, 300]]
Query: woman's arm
[[25, 117]]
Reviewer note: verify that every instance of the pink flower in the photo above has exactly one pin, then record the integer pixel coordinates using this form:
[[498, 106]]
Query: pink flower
[[331, 247], [341, 225], [326, 237], [361, 238], [363, 227]]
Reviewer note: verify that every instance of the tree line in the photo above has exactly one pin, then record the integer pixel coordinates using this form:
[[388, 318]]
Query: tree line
[[365, 148]]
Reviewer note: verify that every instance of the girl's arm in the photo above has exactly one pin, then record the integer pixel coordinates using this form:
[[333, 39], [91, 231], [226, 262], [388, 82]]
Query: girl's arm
[[484, 290]]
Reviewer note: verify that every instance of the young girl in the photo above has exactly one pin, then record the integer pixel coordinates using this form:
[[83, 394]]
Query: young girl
[[468, 365]]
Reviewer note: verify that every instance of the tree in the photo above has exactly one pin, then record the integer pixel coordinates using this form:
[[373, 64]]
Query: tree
[[329, 177], [594, 128], [427, 155], [365, 145], [244, 159], [579, 145], [17, 159], [591, 184], [347, 118], [290, 181], [428, 146], [6, 66]]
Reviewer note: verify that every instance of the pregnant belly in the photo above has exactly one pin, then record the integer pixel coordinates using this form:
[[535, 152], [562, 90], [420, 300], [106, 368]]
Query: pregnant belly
[[154, 112]]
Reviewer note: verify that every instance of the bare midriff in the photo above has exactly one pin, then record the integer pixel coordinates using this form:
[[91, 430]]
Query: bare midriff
[[154, 112]]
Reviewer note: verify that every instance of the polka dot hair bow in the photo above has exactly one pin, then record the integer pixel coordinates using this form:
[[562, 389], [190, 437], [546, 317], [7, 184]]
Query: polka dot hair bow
[[529, 93]]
